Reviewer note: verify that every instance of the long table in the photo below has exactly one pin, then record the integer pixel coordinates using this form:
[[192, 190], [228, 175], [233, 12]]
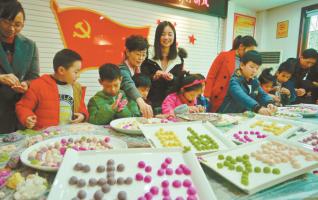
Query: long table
[[305, 186]]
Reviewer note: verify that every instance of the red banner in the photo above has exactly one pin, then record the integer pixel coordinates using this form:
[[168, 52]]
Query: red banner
[[94, 36]]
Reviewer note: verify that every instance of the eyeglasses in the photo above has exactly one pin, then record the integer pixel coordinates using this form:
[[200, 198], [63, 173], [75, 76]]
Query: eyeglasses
[[16, 25]]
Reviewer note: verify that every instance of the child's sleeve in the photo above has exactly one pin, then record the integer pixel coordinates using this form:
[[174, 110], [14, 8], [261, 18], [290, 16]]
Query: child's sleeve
[[239, 95], [24, 108], [168, 105], [264, 99], [100, 114], [290, 85]]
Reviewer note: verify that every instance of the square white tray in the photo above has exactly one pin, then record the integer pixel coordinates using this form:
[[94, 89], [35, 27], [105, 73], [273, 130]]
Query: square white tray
[[246, 127], [180, 129], [61, 189], [259, 181]]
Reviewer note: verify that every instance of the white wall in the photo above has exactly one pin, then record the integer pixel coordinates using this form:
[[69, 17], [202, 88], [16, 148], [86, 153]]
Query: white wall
[[266, 28], [234, 8], [41, 27]]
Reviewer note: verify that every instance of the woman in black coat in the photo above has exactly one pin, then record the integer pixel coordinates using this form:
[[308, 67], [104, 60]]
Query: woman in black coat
[[164, 65]]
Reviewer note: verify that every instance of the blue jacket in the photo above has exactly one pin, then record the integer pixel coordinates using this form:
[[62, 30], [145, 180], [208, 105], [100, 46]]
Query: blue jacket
[[240, 97]]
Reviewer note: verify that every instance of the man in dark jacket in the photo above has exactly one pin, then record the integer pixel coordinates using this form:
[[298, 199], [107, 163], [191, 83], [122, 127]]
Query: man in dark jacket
[[299, 82]]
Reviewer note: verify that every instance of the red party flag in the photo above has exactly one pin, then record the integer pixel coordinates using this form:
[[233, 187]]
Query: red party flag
[[94, 36]]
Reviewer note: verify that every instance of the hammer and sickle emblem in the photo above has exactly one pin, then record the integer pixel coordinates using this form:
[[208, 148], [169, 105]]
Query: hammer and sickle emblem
[[84, 32]]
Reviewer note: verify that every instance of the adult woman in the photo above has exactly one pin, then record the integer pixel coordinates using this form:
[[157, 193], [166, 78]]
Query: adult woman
[[222, 69], [19, 63], [164, 66], [135, 54]]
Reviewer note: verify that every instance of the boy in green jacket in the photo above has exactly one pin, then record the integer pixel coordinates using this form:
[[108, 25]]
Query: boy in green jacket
[[110, 103]]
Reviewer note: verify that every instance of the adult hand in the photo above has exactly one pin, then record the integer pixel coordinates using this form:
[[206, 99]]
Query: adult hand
[[264, 111], [315, 83], [145, 109], [78, 117], [158, 74], [285, 91], [168, 76], [300, 92], [30, 121], [9, 79], [22, 88]]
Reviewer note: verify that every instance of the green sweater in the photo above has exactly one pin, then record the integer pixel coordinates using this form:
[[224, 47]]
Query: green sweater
[[101, 113]]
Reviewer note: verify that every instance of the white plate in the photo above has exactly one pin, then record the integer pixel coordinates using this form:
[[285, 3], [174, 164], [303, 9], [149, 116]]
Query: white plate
[[259, 181], [287, 114], [116, 144], [118, 124], [211, 117], [215, 118], [246, 126], [180, 129], [130, 157], [81, 128], [227, 120]]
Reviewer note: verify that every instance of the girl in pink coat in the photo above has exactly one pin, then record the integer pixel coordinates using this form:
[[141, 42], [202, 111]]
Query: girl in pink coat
[[187, 91]]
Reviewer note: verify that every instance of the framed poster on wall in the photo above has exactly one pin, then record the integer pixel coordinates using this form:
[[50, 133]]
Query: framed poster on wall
[[282, 29], [243, 25]]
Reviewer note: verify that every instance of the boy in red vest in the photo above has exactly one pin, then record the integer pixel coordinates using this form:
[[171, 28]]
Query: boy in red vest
[[55, 99]]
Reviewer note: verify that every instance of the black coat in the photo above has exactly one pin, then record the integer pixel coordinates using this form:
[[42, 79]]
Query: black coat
[[160, 88]]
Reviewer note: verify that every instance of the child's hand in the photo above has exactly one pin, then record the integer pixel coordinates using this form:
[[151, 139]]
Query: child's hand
[[275, 98], [201, 108], [193, 109], [78, 118], [30, 122], [285, 91], [264, 111], [122, 105], [115, 104], [272, 108], [300, 92]]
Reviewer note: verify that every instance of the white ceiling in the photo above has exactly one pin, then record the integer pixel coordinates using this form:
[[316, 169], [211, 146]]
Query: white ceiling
[[259, 5]]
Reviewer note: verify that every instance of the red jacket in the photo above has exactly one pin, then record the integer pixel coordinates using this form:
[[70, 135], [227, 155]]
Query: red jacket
[[42, 100], [218, 78]]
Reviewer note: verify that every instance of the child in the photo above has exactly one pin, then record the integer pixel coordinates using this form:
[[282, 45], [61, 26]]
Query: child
[[188, 89], [244, 92], [267, 81], [202, 100], [282, 76], [143, 84], [111, 102], [54, 99]]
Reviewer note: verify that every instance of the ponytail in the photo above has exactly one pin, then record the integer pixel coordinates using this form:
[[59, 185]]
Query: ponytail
[[266, 76], [246, 41]]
